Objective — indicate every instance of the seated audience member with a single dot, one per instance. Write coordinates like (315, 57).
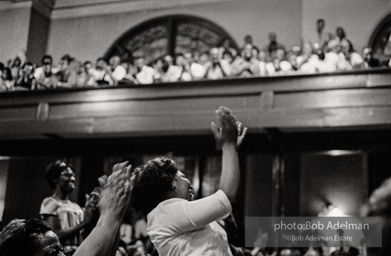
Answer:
(229, 58)
(340, 34)
(285, 66)
(250, 56)
(178, 224)
(197, 71)
(64, 71)
(35, 237)
(81, 77)
(22, 55)
(145, 74)
(331, 56)
(369, 60)
(292, 59)
(16, 65)
(323, 37)
(204, 59)
(66, 218)
(102, 73)
(343, 63)
(170, 71)
(6, 80)
(262, 62)
(355, 59)
(85, 75)
(227, 55)
(118, 71)
(182, 71)
(168, 58)
(240, 67)
(160, 71)
(308, 61)
(226, 47)
(130, 77)
(216, 68)
(248, 43)
(248, 40)
(273, 45)
(44, 75)
(26, 80)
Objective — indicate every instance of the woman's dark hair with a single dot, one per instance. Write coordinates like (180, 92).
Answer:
(21, 237)
(7, 74)
(342, 32)
(16, 62)
(152, 183)
(53, 171)
(228, 53)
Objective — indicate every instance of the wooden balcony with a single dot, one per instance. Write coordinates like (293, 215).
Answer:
(294, 103)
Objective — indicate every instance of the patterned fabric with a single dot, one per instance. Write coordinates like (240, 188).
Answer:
(69, 215)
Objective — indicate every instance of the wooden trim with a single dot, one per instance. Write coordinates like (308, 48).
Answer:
(379, 78)
(343, 101)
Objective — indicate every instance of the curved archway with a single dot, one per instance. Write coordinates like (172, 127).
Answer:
(169, 35)
(380, 40)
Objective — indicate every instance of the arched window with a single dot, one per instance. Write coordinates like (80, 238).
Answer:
(169, 35)
(380, 40)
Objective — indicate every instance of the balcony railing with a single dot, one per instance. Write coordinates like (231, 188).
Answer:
(347, 100)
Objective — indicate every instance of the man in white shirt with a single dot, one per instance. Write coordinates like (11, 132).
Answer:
(118, 71)
(102, 73)
(145, 74)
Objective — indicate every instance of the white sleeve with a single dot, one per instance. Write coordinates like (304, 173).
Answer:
(38, 73)
(184, 216)
(204, 211)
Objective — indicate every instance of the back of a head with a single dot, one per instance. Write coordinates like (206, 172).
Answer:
(20, 237)
(152, 184)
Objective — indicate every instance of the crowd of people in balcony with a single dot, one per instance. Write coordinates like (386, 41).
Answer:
(330, 53)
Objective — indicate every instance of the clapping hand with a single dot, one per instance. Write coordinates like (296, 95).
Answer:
(227, 130)
(116, 190)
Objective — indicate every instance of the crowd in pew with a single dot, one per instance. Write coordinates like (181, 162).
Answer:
(329, 53)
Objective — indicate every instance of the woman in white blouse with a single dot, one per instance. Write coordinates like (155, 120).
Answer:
(177, 224)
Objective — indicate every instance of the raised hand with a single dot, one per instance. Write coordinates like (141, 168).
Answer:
(227, 130)
(241, 134)
(116, 190)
